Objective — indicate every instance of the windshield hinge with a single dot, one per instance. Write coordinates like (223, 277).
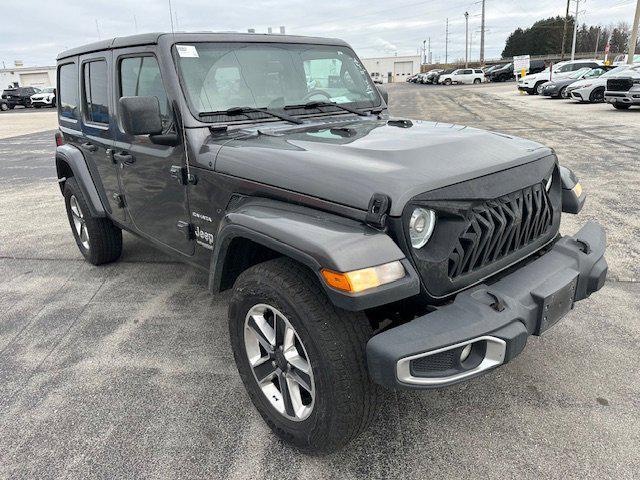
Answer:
(378, 210)
(181, 174)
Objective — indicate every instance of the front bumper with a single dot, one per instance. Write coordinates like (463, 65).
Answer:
(41, 101)
(632, 97)
(490, 323)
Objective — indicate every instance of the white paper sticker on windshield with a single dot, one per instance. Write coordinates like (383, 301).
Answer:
(340, 99)
(187, 51)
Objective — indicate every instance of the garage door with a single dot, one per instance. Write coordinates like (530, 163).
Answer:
(34, 80)
(402, 70)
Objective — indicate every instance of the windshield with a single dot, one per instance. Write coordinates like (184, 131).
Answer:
(220, 76)
(580, 73)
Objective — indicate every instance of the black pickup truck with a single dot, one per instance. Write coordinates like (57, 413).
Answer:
(19, 96)
(363, 250)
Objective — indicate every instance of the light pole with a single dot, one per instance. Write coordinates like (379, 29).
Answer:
(634, 35)
(466, 39)
(482, 36)
(575, 32)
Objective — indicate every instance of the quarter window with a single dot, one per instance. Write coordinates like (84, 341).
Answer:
(140, 77)
(68, 90)
(96, 97)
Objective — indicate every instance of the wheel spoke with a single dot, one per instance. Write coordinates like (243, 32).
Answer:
(286, 394)
(263, 332)
(83, 233)
(281, 330)
(301, 379)
(264, 370)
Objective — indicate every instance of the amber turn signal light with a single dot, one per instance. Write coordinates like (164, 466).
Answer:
(364, 279)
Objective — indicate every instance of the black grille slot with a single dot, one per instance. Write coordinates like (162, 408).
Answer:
(500, 227)
(436, 363)
(619, 84)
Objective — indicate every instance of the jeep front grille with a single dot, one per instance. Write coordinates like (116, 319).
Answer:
(619, 84)
(499, 227)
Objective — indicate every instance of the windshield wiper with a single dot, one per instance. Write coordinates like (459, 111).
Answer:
(233, 111)
(320, 104)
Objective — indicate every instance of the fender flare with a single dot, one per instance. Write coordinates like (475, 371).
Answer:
(317, 240)
(74, 159)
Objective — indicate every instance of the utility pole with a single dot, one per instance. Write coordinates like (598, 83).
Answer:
(466, 39)
(429, 58)
(597, 42)
(564, 30)
(446, 44)
(575, 32)
(424, 52)
(482, 36)
(634, 35)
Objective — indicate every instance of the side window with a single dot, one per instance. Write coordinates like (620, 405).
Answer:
(140, 77)
(95, 90)
(68, 90)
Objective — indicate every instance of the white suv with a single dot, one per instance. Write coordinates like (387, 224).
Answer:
(463, 75)
(44, 98)
(532, 84)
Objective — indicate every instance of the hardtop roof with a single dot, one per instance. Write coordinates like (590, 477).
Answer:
(180, 37)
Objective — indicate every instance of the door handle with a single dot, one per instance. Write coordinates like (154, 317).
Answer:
(90, 147)
(124, 157)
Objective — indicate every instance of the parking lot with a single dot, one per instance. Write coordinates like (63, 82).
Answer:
(125, 371)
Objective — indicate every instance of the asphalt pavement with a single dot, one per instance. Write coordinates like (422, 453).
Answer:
(125, 370)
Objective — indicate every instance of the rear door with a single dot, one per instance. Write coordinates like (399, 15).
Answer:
(156, 200)
(98, 127)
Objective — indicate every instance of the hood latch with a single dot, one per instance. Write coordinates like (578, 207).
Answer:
(378, 210)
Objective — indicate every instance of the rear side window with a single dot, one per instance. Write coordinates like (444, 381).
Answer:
(140, 77)
(68, 91)
(96, 97)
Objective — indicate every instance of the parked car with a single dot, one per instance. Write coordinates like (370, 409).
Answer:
(19, 96)
(362, 250)
(490, 68)
(45, 98)
(501, 74)
(592, 89)
(377, 78)
(4, 105)
(622, 59)
(532, 83)
(413, 78)
(463, 76)
(624, 91)
(446, 71)
(560, 88)
(432, 75)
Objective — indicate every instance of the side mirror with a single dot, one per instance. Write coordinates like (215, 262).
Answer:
(383, 93)
(141, 115)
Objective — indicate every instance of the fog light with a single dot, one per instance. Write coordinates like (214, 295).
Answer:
(466, 351)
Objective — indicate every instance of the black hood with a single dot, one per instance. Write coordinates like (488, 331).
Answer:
(347, 163)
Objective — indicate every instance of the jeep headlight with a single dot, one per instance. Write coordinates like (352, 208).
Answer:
(421, 225)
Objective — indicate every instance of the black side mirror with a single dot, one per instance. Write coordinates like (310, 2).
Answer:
(141, 115)
(383, 93)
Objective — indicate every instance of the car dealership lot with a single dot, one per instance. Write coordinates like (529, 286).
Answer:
(126, 370)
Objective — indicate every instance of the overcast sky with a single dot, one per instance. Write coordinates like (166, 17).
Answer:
(35, 31)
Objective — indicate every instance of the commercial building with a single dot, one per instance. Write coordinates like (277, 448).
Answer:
(20, 76)
(392, 69)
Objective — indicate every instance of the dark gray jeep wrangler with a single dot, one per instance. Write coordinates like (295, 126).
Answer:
(363, 250)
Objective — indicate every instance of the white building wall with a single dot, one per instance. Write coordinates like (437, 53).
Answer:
(28, 77)
(395, 68)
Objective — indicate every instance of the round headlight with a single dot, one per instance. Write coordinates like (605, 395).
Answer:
(421, 226)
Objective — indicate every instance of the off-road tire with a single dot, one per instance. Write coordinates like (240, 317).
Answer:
(345, 398)
(105, 239)
(621, 106)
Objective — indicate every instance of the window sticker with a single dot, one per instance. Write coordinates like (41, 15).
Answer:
(187, 51)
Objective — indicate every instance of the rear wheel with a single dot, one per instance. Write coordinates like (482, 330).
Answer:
(621, 106)
(597, 96)
(477, 81)
(4, 107)
(98, 239)
(301, 359)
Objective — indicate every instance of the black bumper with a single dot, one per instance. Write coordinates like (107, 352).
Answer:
(494, 321)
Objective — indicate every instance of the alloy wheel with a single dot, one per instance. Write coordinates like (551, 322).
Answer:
(279, 362)
(79, 223)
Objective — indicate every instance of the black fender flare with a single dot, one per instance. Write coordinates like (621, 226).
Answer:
(317, 240)
(75, 160)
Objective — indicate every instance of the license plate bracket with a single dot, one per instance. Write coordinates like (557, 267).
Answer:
(555, 299)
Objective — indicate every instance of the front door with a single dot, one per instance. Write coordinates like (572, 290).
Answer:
(155, 199)
(98, 126)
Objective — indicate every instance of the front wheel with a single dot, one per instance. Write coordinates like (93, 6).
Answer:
(597, 96)
(621, 106)
(448, 81)
(301, 359)
(538, 88)
(4, 107)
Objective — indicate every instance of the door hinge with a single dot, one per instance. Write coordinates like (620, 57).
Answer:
(119, 199)
(187, 229)
(181, 174)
